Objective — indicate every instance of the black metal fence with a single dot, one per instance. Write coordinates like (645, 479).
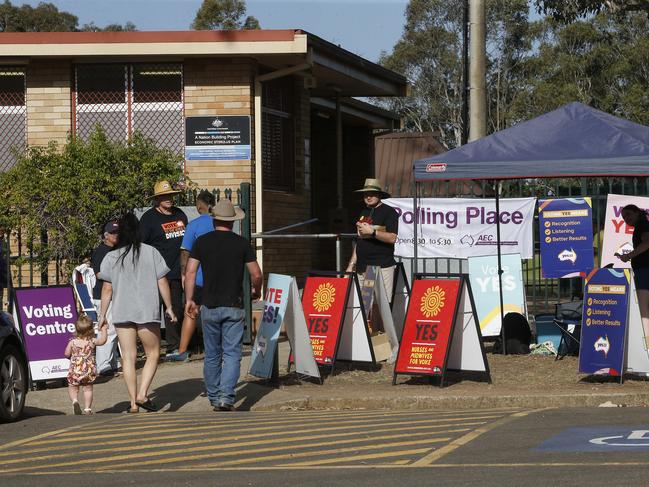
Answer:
(542, 294)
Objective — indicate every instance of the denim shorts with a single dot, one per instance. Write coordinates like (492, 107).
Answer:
(641, 276)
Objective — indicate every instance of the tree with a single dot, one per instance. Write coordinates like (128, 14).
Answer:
(127, 27)
(570, 10)
(223, 15)
(429, 54)
(70, 192)
(46, 17)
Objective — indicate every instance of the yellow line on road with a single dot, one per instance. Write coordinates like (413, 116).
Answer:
(357, 458)
(231, 419)
(193, 429)
(175, 454)
(463, 440)
(231, 444)
(335, 451)
(220, 438)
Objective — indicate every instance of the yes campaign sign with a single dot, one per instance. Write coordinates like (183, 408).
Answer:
(604, 322)
(566, 236)
(617, 234)
(483, 275)
(275, 302)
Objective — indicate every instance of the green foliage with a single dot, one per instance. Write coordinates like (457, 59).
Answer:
(223, 15)
(570, 10)
(70, 192)
(46, 17)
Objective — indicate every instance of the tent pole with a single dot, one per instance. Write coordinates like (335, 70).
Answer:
(500, 269)
(413, 271)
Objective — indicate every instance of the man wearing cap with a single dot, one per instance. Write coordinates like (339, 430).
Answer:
(377, 229)
(107, 363)
(163, 227)
(222, 255)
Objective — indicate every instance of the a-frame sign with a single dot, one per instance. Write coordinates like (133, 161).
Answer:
(441, 332)
(336, 319)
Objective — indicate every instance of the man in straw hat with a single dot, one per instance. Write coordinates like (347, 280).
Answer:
(222, 255)
(377, 229)
(163, 227)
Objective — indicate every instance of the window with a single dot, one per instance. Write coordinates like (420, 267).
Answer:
(278, 157)
(123, 99)
(13, 114)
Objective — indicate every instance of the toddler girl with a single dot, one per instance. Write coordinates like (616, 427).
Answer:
(83, 369)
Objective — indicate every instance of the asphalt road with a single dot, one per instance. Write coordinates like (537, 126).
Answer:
(599, 446)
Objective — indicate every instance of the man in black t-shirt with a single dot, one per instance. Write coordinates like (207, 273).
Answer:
(222, 255)
(107, 363)
(377, 229)
(163, 227)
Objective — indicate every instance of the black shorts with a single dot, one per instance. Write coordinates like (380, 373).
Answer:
(641, 277)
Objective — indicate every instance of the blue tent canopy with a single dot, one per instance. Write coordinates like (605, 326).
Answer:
(573, 140)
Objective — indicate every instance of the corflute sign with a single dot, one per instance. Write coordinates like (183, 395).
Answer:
(47, 316)
(463, 227)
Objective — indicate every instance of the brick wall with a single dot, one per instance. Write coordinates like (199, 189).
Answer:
(49, 111)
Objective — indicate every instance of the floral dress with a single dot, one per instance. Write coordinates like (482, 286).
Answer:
(83, 368)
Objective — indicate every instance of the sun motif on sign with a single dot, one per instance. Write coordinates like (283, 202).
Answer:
(324, 297)
(432, 301)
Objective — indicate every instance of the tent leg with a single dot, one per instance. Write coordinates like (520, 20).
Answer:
(500, 269)
(413, 271)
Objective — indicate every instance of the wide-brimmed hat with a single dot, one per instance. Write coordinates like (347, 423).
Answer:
(225, 211)
(164, 187)
(373, 185)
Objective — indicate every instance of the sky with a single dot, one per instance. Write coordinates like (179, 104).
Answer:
(364, 27)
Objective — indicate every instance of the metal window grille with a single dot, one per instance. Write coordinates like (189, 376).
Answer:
(278, 158)
(13, 115)
(123, 99)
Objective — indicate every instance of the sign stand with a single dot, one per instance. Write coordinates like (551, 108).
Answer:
(336, 319)
(399, 298)
(441, 331)
(612, 336)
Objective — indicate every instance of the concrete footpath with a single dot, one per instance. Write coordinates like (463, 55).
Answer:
(517, 381)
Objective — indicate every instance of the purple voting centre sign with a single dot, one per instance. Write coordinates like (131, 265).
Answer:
(46, 316)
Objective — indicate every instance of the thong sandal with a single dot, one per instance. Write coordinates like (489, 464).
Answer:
(130, 410)
(149, 405)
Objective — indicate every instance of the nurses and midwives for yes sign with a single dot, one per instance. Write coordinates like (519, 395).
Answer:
(428, 326)
(324, 300)
(617, 234)
(604, 322)
(566, 234)
(464, 227)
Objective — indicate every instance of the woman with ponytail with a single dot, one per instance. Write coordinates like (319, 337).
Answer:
(134, 279)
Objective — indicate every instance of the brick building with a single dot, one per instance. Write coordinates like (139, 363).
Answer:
(311, 140)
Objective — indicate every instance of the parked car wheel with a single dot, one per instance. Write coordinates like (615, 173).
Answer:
(13, 383)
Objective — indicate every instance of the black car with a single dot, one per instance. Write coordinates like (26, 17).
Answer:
(14, 377)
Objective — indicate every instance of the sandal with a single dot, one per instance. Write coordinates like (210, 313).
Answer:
(76, 407)
(130, 410)
(87, 411)
(149, 405)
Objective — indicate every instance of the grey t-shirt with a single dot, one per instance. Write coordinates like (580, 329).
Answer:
(135, 284)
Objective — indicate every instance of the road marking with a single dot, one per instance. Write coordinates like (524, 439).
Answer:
(195, 429)
(463, 440)
(356, 458)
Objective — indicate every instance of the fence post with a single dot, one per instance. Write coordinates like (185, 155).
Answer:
(244, 204)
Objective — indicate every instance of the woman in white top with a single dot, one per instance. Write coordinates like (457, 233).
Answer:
(133, 274)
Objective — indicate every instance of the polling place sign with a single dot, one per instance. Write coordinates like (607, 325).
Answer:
(483, 273)
(464, 227)
(604, 326)
(566, 237)
(46, 316)
(617, 234)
